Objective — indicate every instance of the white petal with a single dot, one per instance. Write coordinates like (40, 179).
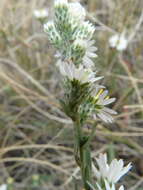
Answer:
(96, 79)
(102, 164)
(114, 170)
(110, 111)
(93, 49)
(117, 172)
(124, 171)
(105, 117)
(91, 54)
(109, 101)
(88, 62)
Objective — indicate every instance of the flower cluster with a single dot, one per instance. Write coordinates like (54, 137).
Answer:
(109, 174)
(72, 37)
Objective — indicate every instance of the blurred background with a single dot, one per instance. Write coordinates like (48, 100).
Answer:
(36, 138)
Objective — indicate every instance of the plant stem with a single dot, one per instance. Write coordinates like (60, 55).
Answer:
(83, 155)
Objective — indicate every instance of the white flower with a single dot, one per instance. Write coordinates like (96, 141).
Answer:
(81, 74)
(101, 100)
(40, 13)
(3, 187)
(77, 11)
(109, 187)
(111, 172)
(118, 41)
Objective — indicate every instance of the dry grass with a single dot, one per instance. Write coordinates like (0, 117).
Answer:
(36, 136)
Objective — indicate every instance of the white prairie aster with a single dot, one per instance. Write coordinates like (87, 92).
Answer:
(3, 187)
(41, 13)
(100, 100)
(111, 172)
(81, 74)
(118, 41)
(109, 186)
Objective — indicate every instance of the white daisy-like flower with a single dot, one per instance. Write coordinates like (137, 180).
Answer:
(101, 99)
(81, 74)
(109, 186)
(77, 11)
(41, 13)
(111, 172)
(90, 50)
(118, 41)
(3, 187)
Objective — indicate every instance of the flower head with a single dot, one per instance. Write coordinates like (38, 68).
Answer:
(111, 172)
(81, 74)
(100, 100)
(118, 41)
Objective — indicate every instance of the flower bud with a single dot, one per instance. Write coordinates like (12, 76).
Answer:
(54, 36)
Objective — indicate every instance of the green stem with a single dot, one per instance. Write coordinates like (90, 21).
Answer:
(85, 166)
(83, 155)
